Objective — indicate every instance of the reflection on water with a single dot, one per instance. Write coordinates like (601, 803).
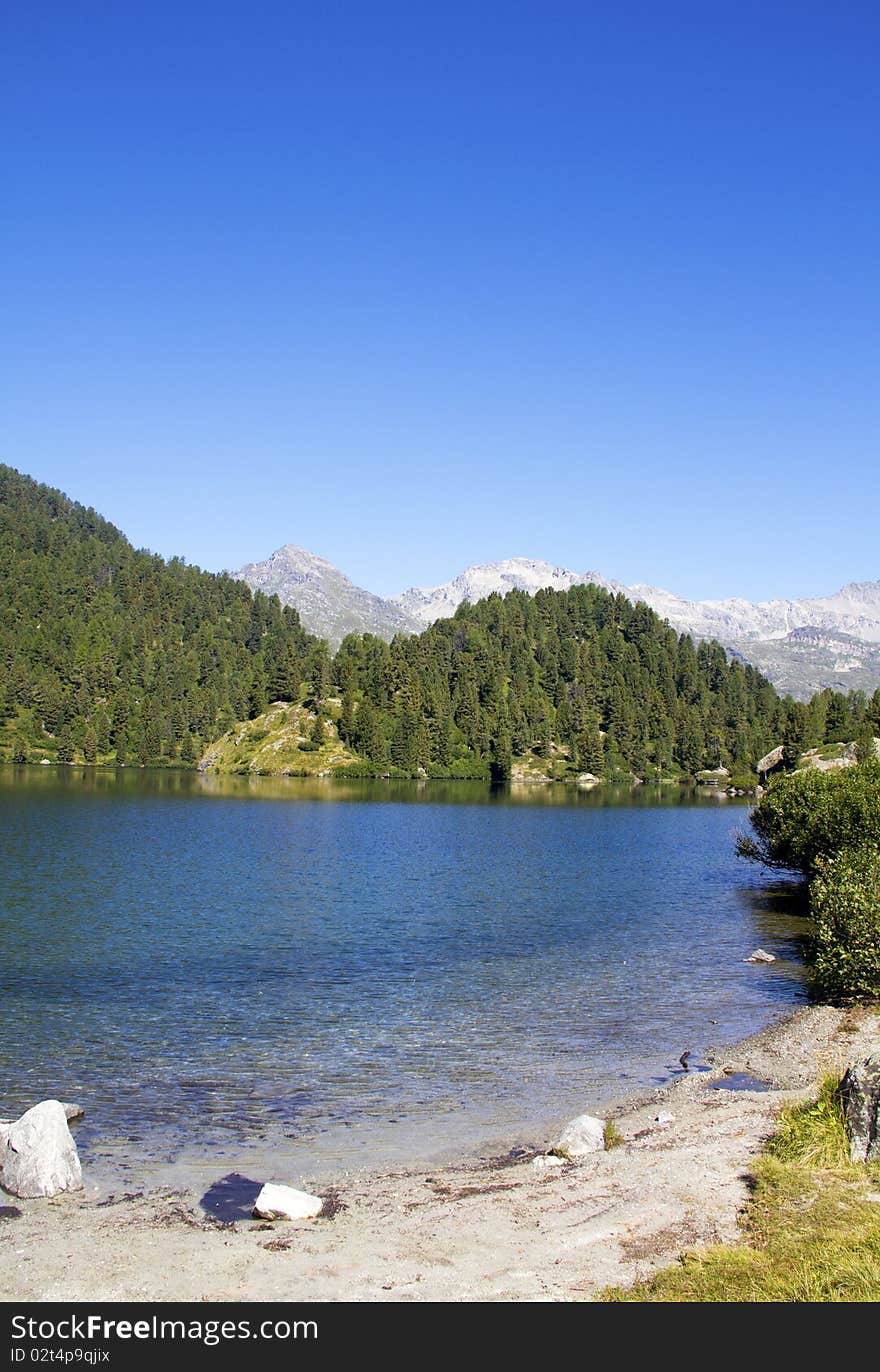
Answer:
(157, 781)
(323, 983)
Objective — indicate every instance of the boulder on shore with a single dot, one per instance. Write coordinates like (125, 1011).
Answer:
(861, 1103)
(286, 1203)
(38, 1156)
(583, 1135)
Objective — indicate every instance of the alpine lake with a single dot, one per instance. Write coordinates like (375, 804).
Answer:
(235, 973)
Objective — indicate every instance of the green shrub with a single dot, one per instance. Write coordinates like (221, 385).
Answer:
(806, 818)
(845, 898)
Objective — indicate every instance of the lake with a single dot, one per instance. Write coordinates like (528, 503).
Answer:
(306, 976)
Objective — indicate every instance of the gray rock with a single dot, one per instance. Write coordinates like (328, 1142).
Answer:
(38, 1156)
(286, 1203)
(760, 956)
(583, 1135)
(861, 1101)
(72, 1111)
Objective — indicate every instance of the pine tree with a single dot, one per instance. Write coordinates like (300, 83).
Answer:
(90, 745)
(501, 763)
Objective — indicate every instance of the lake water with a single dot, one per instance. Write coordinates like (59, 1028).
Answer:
(303, 977)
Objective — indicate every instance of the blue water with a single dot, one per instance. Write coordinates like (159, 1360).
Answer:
(340, 975)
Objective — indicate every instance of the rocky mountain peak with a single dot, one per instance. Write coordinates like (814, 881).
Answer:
(801, 645)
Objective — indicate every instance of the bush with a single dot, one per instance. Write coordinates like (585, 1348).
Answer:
(845, 898)
(806, 818)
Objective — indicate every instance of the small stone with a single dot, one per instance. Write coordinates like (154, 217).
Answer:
(583, 1135)
(760, 956)
(547, 1162)
(286, 1203)
(664, 1117)
(73, 1111)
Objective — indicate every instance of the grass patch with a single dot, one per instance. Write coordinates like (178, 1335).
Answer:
(613, 1136)
(814, 1134)
(810, 1231)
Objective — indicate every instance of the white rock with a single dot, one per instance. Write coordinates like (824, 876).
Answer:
(38, 1156)
(286, 1203)
(583, 1135)
(760, 956)
(664, 1117)
(546, 1162)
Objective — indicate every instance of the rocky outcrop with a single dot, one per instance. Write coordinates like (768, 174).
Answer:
(38, 1156)
(769, 760)
(861, 1101)
(286, 1203)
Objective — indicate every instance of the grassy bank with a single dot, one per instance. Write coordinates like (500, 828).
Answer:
(811, 1229)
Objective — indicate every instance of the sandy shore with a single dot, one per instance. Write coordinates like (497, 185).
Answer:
(496, 1230)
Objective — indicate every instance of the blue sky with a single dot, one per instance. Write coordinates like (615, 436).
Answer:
(420, 285)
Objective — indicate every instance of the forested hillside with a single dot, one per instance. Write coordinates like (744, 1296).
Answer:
(583, 675)
(108, 654)
(106, 651)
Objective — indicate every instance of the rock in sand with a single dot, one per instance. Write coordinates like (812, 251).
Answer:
(583, 1135)
(38, 1156)
(286, 1203)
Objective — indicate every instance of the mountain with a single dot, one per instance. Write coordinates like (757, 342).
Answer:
(854, 610)
(802, 646)
(810, 658)
(328, 603)
(770, 634)
(108, 653)
(513, 574)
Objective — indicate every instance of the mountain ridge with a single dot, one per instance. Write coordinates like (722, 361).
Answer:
(331, 605)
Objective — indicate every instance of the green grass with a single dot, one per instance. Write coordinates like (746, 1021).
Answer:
(279, 742)
(810, 1232)
(813, 1134)
(613, 1136)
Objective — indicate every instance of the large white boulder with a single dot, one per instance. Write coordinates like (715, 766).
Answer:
(583, 1135)
(286, 1203)
(38, 1156)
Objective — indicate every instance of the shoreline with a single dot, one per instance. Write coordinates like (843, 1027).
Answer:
(527, 782)
(497, 1229)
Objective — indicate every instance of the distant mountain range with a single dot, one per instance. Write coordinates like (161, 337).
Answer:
(800, 645)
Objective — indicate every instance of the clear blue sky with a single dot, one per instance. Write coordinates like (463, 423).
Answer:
(417, 285)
